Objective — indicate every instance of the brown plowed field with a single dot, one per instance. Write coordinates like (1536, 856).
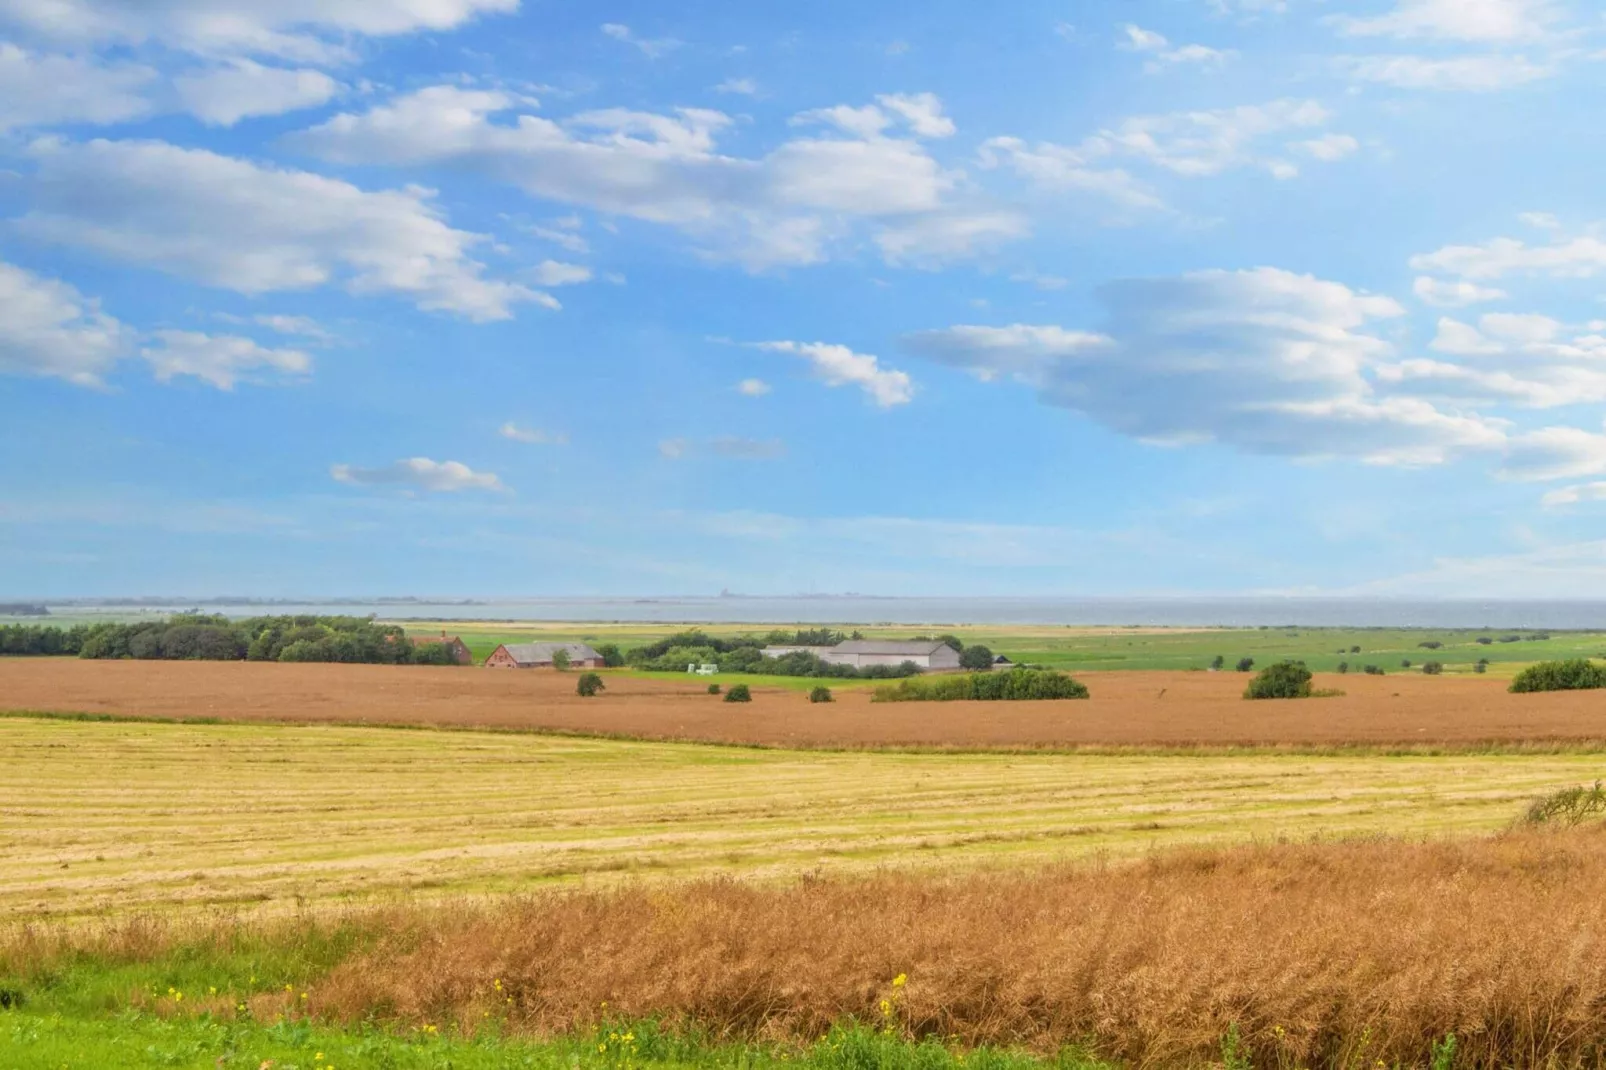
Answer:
(1127, 708)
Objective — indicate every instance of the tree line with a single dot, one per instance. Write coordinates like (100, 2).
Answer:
(213, 637)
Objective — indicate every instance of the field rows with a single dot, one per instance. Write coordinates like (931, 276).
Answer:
(97, 816)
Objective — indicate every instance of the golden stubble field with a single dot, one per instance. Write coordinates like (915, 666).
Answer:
(1127, 708)
(109, 817)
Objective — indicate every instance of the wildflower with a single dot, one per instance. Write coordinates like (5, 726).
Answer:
(900, 980)
(318, 1057)
(886, 1008)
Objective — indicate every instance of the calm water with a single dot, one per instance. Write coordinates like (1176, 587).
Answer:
(853, 609)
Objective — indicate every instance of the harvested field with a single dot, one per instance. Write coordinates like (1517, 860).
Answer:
(1178, 709)
(107, 817)
(1338, 955)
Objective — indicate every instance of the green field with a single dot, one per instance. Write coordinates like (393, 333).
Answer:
(1078, 648)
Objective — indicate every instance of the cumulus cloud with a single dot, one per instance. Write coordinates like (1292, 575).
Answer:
(221, 360)
(47, 90)
(1555, 453)
(308, 30)
(1162, 53)
(752, 388)
(418, 473)
(837, 365)
(1477, 21)
(48, 328)
(1480, 73)
(556, 273)
(241, 89)
(1577, 257)
(1327, 148)
(933, 240)
(742, 86)
(1264, 360)
(1442, 294)
(241, 226)
(652, 48)
(1573, 495)
(533, 436)
(1530, 361)
(782, 208)
(302, 326)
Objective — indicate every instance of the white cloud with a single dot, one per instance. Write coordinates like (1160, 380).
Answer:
(1485, 73)
(1480, 21)
(1560, 572)
(230, 223)
(1526, 360)
(837, 365)
(743, 86)
(673, 449)
(303, 326)
(1565, 257)
(556, 273)
(533, 436)
(785, 208)
(1064, 168)
(922, 111)
(1163, 54)
(1327, 148)
(418, 473)
(1555, 453)
(1264, 360)
(934, 240)
(747, 449)
(1573, 495)
(1441, 294)
(1540, 220)
(241, 89)
(46, 90)
(48, 328)
(752, 388)
(651, 48)
(311, 30)
(221, 360)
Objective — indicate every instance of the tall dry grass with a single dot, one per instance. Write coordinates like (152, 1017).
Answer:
(1317, 955)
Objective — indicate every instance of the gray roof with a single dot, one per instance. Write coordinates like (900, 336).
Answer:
(542, 652)
(915, 648)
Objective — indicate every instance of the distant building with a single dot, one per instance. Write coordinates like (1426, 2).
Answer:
(930, 655)
(1002, 662)
(459, 649)
(539, 656)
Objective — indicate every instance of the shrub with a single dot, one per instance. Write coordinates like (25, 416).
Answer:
(1406, 664)
(611, 656)
(1343, 666)
(1286, 679)
(1578, 674)
(976, 658)
(1432, 668)
(1481, 666)
(1354, 650)
(1431, 644)
(713, 689)
(1538, 637)
(1245, 664)
(1484, 640)
(821, 694)
(1019, 685)
(1217, 662)
(1511, 638)
(589, 684)
(739, 693)
(1373, 670)
(1568, 807)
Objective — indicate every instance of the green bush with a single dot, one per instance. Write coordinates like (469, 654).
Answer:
(1246, 664)
(1432, 668)
(590, 683)
(1431, 644)
(1481, 666)
(1286, 679)
(1579, 674)
(713, 689)
(821, 694)
(739, 693)
(1568, 807)
(1016, 686)
(976, 658)
(1343, 666)
(1373, 670)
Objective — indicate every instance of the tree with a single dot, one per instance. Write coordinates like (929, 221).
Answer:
(954, 641)
(739, 693)
(1354, 650)
(1484, 640)
(976, 658)
(1343, 666)
(612, 657)
(714, 689)
(590, 683)
(1286, 679)
(1433, 668)
(1405, 664)
(1431, 644)
(821, 694)
(1481, 666)
(1217, 662)
(1580, 674)
(1245, 664)
(560, 659)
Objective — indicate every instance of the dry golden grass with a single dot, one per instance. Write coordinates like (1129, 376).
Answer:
(1343, 955)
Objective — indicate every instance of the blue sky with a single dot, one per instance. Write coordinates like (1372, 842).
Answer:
(501, 297)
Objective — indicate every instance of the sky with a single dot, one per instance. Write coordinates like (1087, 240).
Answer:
(517, 297)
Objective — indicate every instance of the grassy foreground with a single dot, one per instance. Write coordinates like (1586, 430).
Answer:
(119, 817)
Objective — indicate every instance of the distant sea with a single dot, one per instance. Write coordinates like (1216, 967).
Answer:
(1245, 612)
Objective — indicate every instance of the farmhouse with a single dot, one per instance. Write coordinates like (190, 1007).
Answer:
(459, 649)
(539, 656)
(930, 655)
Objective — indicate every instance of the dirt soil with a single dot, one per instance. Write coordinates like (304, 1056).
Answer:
(1127, 708)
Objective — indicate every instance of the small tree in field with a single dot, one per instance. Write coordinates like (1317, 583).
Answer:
(1217, 662)
(713, 689)
(821, 694)
(976, 658)
(1343, 666)
(560, 659)
(1481, 666)
(1245, 664)
(739, 693)
(1433, 668)
(590, 684)
(1286, 679)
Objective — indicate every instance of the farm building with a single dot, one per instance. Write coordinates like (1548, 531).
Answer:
(930, 655)
(1003, 662)
(454, 643)
(539, 656)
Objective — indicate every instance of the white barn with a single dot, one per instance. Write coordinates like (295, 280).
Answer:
(930, 655)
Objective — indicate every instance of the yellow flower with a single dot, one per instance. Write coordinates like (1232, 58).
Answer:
(900, 980)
